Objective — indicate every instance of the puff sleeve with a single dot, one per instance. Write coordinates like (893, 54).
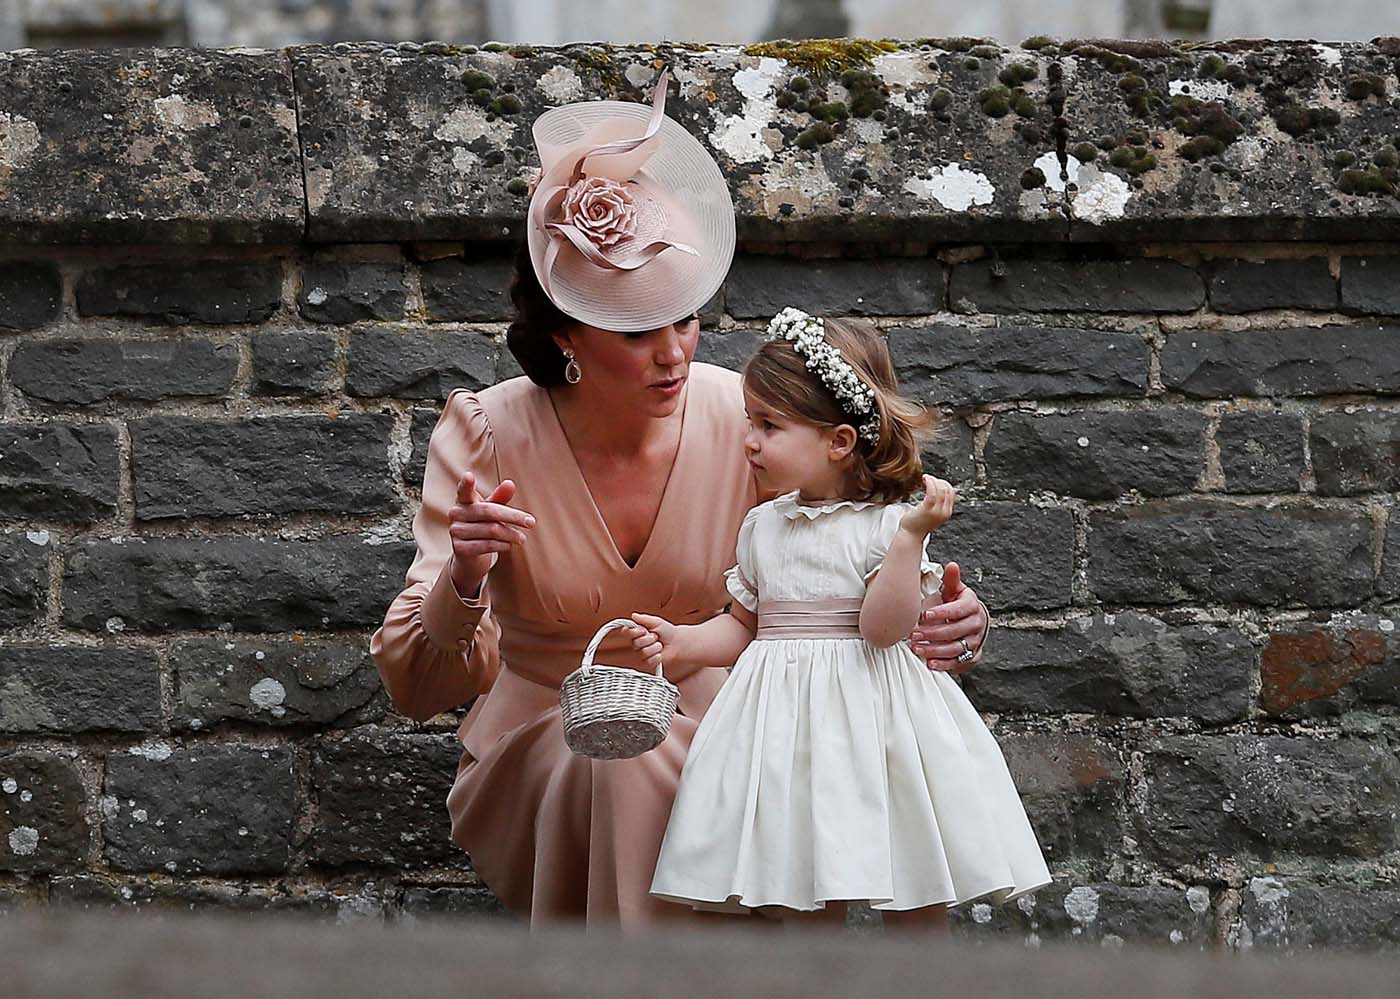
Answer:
(930, 572)
(740, 579)
(437, 650)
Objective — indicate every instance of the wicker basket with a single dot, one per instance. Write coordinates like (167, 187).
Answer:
(612, 712)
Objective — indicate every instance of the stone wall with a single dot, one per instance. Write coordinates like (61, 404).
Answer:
(237, 286)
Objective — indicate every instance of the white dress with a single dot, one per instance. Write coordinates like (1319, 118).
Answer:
(828, 769)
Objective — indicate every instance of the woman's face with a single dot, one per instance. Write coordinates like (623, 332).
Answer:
(642, 372)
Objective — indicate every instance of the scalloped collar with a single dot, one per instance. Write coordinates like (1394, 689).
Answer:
(791, 506)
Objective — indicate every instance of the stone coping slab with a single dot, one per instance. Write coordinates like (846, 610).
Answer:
(931, 140)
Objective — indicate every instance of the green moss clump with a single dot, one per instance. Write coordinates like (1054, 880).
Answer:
(1134, 159)
(1200, 147)
(995, 102)
(1297, 120)
(517, 187)
(972, 64)
(1359, 88)
(1344, 159)
(985, 52)
(495, 47)
(1032, 178)
(940, 100)
(1114, 62)
(1018, 73)
(1037, 42)
(1211, 66)
(799, 84)
(1030, 133)
(824, 56)
(475, 79)
(506, 104)
(1023, 104)
(785, 100)
(522, 51)
(1386, 156)
(1368, 181)
(816, 135)
(954, 44)
(1107, 143)
(829, 112)
(1085, 152)
(868, 92)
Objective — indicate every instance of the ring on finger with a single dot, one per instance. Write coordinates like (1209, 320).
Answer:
(966, 654)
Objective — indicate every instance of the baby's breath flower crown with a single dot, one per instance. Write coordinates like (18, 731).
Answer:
(808, 338)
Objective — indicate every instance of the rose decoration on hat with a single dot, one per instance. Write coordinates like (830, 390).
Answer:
(601, 209)
(631, 224)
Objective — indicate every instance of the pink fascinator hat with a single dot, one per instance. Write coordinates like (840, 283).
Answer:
(631, 226)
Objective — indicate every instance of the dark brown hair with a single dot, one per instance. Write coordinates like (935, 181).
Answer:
(530, 337)
(887, 470)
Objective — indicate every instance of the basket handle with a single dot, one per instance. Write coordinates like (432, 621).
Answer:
(615, 623)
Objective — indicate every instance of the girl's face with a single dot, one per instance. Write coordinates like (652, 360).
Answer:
(643, 372)
(788, 454)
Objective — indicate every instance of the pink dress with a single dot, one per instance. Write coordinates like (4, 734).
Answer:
(554, 835)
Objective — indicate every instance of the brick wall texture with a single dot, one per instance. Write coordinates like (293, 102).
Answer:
(1179, 464)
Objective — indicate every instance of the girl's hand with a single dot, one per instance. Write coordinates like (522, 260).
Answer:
(482, 530)
(944, 626)
(935, 509)
(655, 638)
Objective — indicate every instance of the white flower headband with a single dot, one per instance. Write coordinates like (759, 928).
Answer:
(808, 336)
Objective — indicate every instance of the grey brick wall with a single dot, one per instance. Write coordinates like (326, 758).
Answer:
(1177, 457)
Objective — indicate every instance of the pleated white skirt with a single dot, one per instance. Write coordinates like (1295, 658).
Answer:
(828, 769)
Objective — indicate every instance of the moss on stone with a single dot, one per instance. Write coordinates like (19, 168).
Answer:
(1200, 147)
(957, 44)
(495, 47)
(475, 79)
(1386, 156)
(972, 64)
(868, 92)
(824, 56)
(985, 51)
(995, 101)
(799, 84)
(829, 111)
(1211, 66)
(816, 135)
(1085, 152)
(1359, 88)
(1023, 104)
(506, 104)
(940, 100)
(522, 51)
(1297, 120)
(1032, 177)
(1037, 42)
(1134, 159)
(517, 187)
(1368, 181)
(1344, 159)
(1018, 73)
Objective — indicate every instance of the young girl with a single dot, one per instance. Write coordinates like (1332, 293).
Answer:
(834, 765)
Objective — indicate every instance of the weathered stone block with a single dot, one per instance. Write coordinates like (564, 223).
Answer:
(1260, 452)
(1271, 796)
(956, 366)
(78, 688)
(58, 471)
(439, 901)
(419, 365)
(949, 453)
(1294, 916)
(1371, 285)
(31, 294)
(344, 291)
(1282, 362)
(81, 372)
(43, 823)
(1244, 286)
(761, 287)
(1389, 582)
(24, 578)
(301, 364)
(189, 466)
(182, 145)
(1356, 452)
(1073, 787)
(475, 290)
(379, 800)
(211, 291)
(1012, 555)
(420, 434)
(729, 350)
(1098, 455)
(1117, 664)
(221, 809)
(1308, 670)
(1076, 286)
(1200, 550)
(249, 584)
(276, 681)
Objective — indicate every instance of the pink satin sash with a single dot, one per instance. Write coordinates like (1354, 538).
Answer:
(788, 619)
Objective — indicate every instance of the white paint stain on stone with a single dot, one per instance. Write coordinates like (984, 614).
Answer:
(561, 85)
(741, 136)
(39, 538)
(24, 840)
(179, 113)
(1202, 90)
(953, 187)
(19, 137)
(268, 695)
(1102, 195)
(26, 796)
(10, 785)
(154, 750)
(1082, 905)
(1083, 442)
(902, 69)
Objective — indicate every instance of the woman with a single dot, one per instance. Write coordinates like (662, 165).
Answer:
(611, 479)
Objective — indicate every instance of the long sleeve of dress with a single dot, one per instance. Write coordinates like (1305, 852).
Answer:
(435, 650)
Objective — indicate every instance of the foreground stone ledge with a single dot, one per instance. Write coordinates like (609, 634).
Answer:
(926, 140)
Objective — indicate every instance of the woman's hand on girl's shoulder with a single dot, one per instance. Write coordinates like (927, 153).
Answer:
(934, 510)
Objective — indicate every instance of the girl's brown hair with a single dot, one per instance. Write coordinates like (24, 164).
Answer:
(887, 470)
(530, 337)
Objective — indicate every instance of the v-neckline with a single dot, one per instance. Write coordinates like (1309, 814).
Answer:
(666, 490)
